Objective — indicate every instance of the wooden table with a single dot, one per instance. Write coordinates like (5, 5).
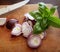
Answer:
(54, 2)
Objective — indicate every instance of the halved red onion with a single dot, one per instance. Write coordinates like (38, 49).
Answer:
(2, 21)
(34, 41)
(11, 23)
(16, 31)
(26, 29)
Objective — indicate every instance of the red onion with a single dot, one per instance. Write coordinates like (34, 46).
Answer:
(11, 23)
(16, 31)
(27, 15)
(30, 19)
(42, 35)
(2, 21)
(26, 29)
(34, 41)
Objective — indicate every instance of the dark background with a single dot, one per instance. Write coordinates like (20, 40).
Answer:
(54, 2)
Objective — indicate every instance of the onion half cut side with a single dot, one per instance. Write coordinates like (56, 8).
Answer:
(16, 31)
(26, 29)
(34, 41)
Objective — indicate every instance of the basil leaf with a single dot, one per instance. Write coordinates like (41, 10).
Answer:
(42, 5)
(52, 10)
(44, 24)
(32, 14)
(54, 21)
(36, 15)
(44, 10)
(37, 28)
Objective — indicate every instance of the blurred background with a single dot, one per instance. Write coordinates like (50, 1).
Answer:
(54, 2)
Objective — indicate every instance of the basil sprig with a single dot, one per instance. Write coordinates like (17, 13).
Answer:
(44, 18)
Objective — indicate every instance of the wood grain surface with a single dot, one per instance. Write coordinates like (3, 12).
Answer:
(19, 44)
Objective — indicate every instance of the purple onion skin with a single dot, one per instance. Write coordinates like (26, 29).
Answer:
(11, 23)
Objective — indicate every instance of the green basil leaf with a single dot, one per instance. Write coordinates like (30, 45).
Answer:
(37, 28)
(32, 14)
(54, 21)
(44, 10)
(52, 10)
(36, 15)
(44, 24)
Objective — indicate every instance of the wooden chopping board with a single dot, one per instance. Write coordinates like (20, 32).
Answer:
(19, 44)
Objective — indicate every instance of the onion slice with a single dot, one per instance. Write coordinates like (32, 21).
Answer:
(2, 21)
(27, 15)
(42, 35)
(34, 41)
(26, 29)
(16, 30)
(11, 23)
